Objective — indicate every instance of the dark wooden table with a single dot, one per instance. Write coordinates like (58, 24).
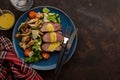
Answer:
(97, 56)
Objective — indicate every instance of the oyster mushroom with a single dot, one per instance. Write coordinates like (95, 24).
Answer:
(26, 34)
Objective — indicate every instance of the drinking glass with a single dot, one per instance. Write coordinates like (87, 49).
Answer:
(22, 5)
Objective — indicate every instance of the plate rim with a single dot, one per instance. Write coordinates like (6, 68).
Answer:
(51, 67)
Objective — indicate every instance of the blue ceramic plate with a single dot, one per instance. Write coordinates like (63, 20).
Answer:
(51, 62)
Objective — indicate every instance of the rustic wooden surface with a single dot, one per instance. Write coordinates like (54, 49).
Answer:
(97, 56)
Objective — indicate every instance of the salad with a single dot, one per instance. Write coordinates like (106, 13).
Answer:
(30, 35)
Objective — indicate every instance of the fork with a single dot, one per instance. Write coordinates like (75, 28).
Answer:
(66, 39)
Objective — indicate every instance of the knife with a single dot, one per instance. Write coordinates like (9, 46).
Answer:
(66, 51)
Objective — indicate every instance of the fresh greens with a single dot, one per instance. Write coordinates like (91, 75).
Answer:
(35, 58)
(46, 10)
(37, 44)
(53, 17)
(36, 52)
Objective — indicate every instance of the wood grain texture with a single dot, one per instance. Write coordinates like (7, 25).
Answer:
(97, 56)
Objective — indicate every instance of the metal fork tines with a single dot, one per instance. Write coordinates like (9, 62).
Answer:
(67, 35)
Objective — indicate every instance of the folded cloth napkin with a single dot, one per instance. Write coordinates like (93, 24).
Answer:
(11, 67)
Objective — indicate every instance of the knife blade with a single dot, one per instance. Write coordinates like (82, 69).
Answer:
(67, 49)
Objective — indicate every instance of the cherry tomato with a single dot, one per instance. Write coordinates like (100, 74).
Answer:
(32, 14)
(45, 55)
(27, 51)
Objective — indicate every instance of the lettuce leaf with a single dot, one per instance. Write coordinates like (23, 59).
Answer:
(35, 58)
(46, 10)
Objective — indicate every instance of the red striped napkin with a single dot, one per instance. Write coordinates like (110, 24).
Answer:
(11, 67)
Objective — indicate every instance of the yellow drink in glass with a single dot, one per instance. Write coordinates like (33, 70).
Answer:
(6, 20)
